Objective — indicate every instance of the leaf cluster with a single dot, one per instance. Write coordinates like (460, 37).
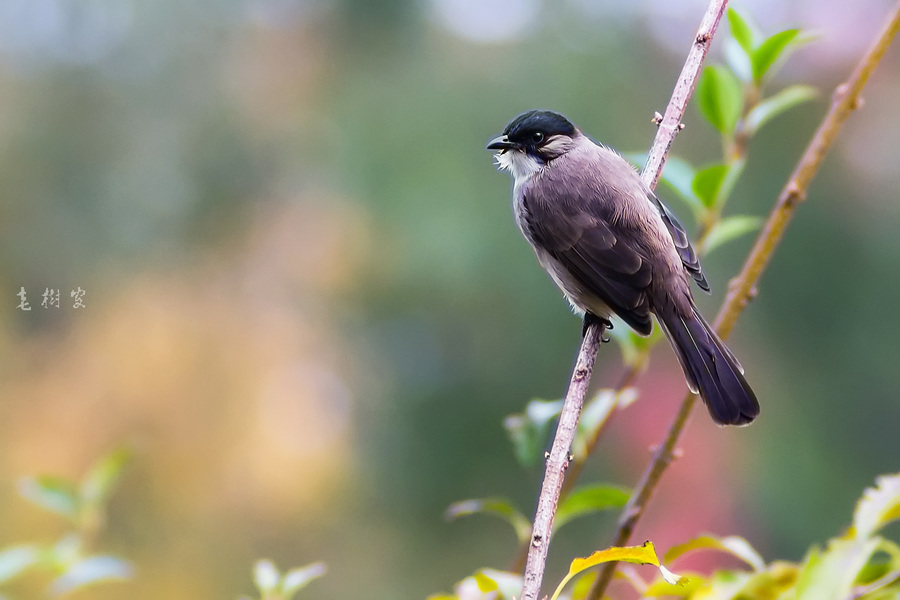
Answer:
(275, 585)
(69, 562)
(860, 564)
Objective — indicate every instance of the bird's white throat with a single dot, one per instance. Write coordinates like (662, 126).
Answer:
(521, 165)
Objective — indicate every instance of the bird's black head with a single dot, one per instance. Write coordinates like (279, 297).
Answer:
(530, 132)
(535, 126)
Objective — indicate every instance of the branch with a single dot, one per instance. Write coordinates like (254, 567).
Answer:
(743, 287)
(558, 460)
(684, 89)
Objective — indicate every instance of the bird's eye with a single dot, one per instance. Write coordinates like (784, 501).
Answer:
(537, 137)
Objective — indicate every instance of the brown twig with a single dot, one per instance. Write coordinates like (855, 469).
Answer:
(742, 289)
(568, 421)
(684, 89)
(558, 461)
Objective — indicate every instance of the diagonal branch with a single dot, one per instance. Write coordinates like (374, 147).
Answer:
(743, 287)
(558, 460)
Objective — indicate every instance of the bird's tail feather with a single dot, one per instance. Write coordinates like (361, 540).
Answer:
(711, 369)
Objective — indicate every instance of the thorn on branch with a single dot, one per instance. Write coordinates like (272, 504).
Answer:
(703, 38)
(657, 119)
(536, 540)
(839, 93)
(795, 195)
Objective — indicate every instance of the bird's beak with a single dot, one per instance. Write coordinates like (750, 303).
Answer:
(501, 142)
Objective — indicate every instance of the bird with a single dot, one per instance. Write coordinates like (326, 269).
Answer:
(615, 249)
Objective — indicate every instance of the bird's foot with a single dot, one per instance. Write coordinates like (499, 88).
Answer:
(591, 319)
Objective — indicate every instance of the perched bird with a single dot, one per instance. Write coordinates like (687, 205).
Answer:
(614, 248)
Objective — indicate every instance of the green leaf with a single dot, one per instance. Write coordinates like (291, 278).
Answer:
(530, 430)
(738, 61)
(634, 347)
(504, 583)
(298, 578)
(878, 506)
(742, 31)
(734, 545)
(770, 51)
(719, 98)
(485, 582)
(90, 571)
(590, 499)
(708, 183)
(728, 229)
(103, 475)
(774, 105)
(679, 176)
(55, 494)
(830, 575)
(881, 573)
(67, 551)
(16, 559)
(498, 507)
(725, 585)
(778, 577)
(884, 593)
(266, 576)
(595, 413)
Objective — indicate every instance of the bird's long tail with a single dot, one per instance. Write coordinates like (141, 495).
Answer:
(711, 369)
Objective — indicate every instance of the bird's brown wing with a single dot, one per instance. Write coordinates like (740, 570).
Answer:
(596, 257)
(682, 242)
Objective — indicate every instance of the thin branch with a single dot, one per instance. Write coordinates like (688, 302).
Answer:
(558, 461)
(568, 421)
(684, 89)
(743, 287)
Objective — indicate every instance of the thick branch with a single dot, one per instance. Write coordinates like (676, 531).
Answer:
(558, 460)
(742, 289)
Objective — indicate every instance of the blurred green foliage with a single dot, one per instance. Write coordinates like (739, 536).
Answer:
(857, 564)
(68, 563)
(273, 585)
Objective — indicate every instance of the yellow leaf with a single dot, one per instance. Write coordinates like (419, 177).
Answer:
(642, 555)
(485, 583)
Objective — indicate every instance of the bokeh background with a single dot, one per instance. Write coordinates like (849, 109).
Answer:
(308, 309)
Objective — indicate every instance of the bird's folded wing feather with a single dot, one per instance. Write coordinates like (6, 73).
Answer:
(601, 261)
(682, 242)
